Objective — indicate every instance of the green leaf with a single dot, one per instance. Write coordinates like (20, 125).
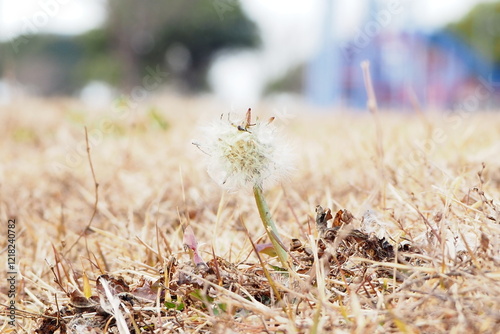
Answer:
(282, 270)
(174, 306)
(219, 308)
(198, 294)
(158, 119)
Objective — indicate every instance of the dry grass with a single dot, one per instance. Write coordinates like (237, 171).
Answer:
(428, 195)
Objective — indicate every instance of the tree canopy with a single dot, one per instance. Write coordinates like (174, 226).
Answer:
(480, 28)
(180, 38)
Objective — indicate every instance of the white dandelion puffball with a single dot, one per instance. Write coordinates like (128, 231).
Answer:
(241, 154)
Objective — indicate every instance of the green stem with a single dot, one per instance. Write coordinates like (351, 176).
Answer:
(270, 226)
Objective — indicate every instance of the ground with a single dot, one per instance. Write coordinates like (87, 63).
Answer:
(391, 220)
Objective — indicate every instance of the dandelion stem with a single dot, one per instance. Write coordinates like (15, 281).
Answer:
(270, 226)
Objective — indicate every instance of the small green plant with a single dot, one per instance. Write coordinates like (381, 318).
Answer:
(246, 154)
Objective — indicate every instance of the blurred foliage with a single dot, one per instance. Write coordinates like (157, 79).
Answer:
(139, 34)
(158, 119)
(291, 81)
(43, 64)
(179, 38)
(98, 61)
(480, 28)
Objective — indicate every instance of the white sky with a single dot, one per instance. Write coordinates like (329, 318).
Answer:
(291, 34)
(75, 16)
(60, 16)
(289, 29)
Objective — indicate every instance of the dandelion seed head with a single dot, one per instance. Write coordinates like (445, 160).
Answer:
(248, 155)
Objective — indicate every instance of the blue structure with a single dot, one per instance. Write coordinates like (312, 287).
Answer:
(438, 68)
(328, 90)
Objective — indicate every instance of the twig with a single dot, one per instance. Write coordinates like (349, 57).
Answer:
(283, 246)
(264, 269)
(370, 92)
(418, 110)
(372, 107)
(96, 187)
(216, 265)
(290, 206)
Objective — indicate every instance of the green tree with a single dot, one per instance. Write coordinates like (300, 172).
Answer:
(141, 33)
(177, 37)
(480, 28)
(44, 64)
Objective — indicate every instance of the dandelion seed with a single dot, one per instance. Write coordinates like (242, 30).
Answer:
(243, 154)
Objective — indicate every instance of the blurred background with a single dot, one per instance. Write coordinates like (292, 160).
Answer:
(422, 53)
